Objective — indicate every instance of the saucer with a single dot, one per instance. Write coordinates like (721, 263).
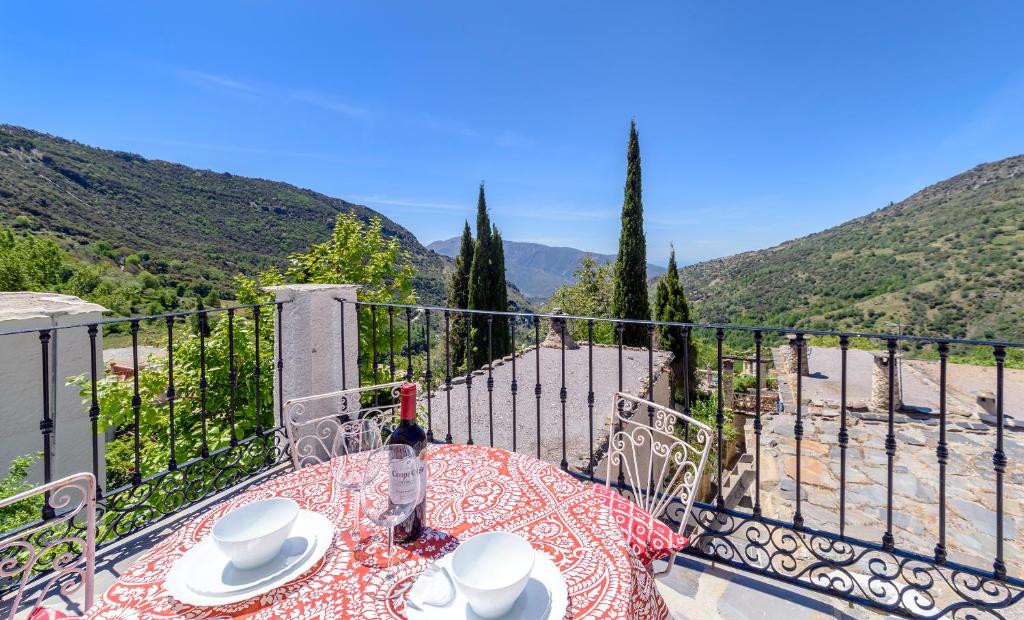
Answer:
(546, 596)
(205, 577)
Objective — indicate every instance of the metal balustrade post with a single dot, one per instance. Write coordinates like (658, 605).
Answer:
(757, 423)
(999, 463)
(515, 383)
(344, 364)
(448, 373)
(408, 344)
(490, 379)
(172, 461)
(203, 331)
(844, 435)
(280, 363)
(257, 371)
(136, 403)
(391, 343)
(469, 379)
(94, 407)
(537, 388)
(719, 423)
(232, 376)
(373, 359)
(798, 427)
(562, 394)
(46, 423)
(888, 543)
(619, 329)
(686, 380)
(590, 397)
(942, 454)
(428, 376)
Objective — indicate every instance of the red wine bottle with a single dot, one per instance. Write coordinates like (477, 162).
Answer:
(410, 434)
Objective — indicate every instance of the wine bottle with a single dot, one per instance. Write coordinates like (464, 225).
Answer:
(410, 434)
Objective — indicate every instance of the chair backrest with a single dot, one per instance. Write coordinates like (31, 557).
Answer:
(59, 549)
(312, 422)
(663, 463)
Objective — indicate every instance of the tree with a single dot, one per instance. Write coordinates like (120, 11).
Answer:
(589, 295)
(355, 253)
(486, 288)
(630, 300)
(671, 305)
(458, 297)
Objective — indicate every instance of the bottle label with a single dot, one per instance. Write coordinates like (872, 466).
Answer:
(422, 466)
(402, 484)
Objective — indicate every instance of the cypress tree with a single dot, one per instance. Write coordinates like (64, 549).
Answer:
(502, 338)
(630, 297)
(487, 289)
(458, 297)
(671, 305)
(481, 282)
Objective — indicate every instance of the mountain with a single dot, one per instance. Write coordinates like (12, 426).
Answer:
(194, 225)
(948, 260)
(537, 269)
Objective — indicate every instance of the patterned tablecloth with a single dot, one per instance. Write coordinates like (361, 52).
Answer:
(471, 490)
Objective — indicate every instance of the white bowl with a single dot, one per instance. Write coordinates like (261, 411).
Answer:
(252, 535)
(491, 570)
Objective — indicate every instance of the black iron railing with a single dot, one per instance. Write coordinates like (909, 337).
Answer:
(161, 482)
(879, 573)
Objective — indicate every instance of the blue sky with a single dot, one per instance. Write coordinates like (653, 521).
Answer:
(759, 121)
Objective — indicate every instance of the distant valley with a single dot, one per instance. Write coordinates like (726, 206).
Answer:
(537, 269)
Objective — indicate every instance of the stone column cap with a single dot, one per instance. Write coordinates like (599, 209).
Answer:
(30, 305)
(285, 292)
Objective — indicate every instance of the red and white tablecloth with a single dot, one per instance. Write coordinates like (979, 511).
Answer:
(471, 490)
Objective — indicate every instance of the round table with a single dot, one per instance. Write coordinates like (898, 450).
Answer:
(470, 490)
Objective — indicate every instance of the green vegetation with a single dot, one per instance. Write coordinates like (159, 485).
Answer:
(630, 294)
(196, 228)
(16, 481)
(487, 291)
(458, 295)
(31, 262)
(948, 261)
(590, 295)
(671, 306)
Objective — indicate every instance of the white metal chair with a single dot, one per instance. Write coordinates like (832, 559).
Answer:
(312, 422)
(661, 464)
(56, 551)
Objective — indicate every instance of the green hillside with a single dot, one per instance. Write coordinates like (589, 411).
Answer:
(948, 260)
(196, 227)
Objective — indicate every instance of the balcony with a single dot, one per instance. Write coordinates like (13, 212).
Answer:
(857, 473)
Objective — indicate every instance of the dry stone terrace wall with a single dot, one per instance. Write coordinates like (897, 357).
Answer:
(970, 487)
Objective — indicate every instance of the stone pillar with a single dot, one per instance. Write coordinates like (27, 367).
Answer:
(21, 407)
(311, 344)
(554, 338)
(728, 389)
(880, 384)
(790, 358)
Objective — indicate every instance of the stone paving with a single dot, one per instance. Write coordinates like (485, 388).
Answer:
(970, 480)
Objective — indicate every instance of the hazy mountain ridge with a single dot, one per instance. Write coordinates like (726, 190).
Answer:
(201, 223)
(948, 260)
(538, 269)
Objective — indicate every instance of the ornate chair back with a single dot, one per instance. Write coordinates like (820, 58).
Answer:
(58, 550)
(312, 422)
(661, 463)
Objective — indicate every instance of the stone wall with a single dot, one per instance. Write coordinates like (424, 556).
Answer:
(879, 400)
(790, 358)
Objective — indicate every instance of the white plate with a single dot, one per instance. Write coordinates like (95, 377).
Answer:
(226, 585)
(545, 596)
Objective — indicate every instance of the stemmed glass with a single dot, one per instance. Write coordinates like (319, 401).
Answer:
(391, 491)
(353, 444)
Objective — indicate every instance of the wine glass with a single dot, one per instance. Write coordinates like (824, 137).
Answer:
(353, 444)
(391, 491)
